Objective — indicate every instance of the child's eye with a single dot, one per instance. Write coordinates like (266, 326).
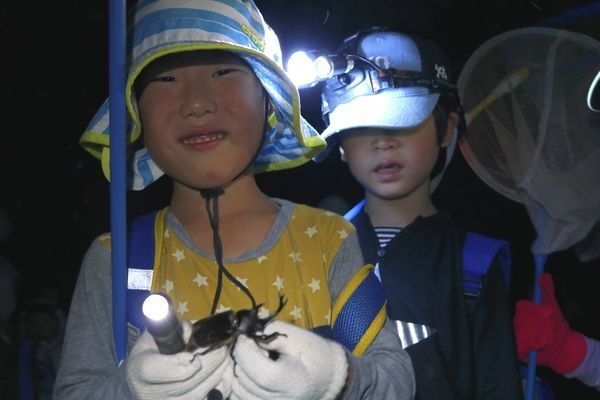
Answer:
(163, 78)
(225, 71)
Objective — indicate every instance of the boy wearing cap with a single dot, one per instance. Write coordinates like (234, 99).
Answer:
(394, 116)
(206, 89)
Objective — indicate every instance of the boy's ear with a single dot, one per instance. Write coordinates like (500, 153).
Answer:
(342, 153)
(451, 125)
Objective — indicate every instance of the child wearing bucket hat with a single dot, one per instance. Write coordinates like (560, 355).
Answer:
(395, 117)
(209, 106)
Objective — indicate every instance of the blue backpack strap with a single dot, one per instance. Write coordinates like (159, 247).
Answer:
(140, 262)
(359, 312)
(355, 210)
(479, 252)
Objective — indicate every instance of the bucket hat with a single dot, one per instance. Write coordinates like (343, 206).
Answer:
(162, 27)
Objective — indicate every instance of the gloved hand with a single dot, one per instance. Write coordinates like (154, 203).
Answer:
(307, 367)
(543, 328)
(184, 376)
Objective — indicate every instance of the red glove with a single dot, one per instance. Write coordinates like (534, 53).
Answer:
(544, 328)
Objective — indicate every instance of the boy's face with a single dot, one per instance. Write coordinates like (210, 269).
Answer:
(393, 163)
(203, 116)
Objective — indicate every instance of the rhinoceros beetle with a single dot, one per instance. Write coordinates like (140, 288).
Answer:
(223, 329)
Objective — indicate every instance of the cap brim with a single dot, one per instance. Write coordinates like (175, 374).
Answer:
(395, 109)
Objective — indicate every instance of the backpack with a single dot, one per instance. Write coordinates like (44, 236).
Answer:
(478, 253)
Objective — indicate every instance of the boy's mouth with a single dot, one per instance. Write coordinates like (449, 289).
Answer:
(388, 166)
(202, 138)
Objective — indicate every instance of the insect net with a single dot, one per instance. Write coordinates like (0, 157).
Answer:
(531, 136)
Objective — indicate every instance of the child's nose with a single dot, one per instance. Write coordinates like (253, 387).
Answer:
(385, 142)
(197, 102)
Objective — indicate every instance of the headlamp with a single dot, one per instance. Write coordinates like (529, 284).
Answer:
(347, 76)
(306, 69)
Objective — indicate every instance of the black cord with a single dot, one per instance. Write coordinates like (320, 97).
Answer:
(212, 207)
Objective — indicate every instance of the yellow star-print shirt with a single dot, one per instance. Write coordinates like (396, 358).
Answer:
(294, 261)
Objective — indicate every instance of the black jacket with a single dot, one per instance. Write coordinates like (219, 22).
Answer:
(469, 352)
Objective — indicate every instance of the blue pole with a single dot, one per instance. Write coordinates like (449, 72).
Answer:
(117, 60)
(539, 261)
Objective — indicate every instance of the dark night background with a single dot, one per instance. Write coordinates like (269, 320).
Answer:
(54, 76)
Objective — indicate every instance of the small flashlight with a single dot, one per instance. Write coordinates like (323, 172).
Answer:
(162, 323)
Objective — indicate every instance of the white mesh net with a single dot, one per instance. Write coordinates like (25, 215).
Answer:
(531, 136)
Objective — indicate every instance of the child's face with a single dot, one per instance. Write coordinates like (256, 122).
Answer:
(392, 163)
(203, 116)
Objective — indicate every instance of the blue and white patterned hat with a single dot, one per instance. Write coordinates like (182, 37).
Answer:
(162, 27)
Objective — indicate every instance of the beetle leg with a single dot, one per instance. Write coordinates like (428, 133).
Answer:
(262, 322)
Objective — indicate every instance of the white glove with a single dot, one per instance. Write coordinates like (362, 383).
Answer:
(184, 375)
(308, 366)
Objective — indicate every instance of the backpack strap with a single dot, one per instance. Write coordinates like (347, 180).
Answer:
(478, 253)
(359, 311)
(350, 214)
(140, 262)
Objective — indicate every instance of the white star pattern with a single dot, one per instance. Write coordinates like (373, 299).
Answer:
(311, 231)
(168, 286)
(296, 313)
(201, 280)
(263, 312)
(261, 259)
(295, 256)
(343, 234)
(221, 309)
(167, 233)
(328, 213)
(182, 308)
(278, 283)
(178, 255)
(315, 285)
